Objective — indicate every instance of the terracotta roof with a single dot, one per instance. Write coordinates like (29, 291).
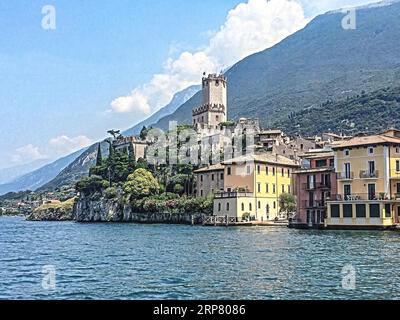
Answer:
(367, 140)
(264, 158)
(216, 167)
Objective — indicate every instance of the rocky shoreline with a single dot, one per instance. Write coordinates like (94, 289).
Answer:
(87, 210)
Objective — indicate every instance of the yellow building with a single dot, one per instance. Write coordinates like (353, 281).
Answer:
(253, 185)
(368, 182)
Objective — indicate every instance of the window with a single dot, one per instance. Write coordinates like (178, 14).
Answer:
(273, 171)
(388, 210)
(273, 188)
(259, 205)
(258, 169)
(361, 211)
(212, 177)
(227, 206)
(288, 173)
(201, 178)
(219, 206)
(397, 165)
(371, 167)
(346, 153)
(217, 118)
(229, 171)
(242, 206)
(201, 193)
(347, 171)
(194, 121)
(398, 150)
(267, 209)
(267, 170)
(222, 176)
(370, 150)
(283, 188)
(250, 207)
(335, 211)
(259, 188)
(374, 211)
(283, 172)
(267, 188)
(348, 211)
(274, 204)
(346, 191)
(398, 189)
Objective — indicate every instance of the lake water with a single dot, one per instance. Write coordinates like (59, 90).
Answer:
(129, 261)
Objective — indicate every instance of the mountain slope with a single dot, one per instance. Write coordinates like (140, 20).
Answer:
(369, 113)
(178, 99)
(77, 168)
(10, 174)
(39, 177)
(323, 61)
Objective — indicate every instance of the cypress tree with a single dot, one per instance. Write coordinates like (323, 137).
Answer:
(99, 159)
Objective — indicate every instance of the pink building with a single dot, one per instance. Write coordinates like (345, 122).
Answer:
(314, 185)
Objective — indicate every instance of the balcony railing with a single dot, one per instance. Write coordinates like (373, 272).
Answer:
(360, 197)
(345, 175)
(313, 204)
(315, 186)
(221, 195)
(365, 174)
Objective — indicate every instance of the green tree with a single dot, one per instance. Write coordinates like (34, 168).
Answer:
(143, 133)
(287, 203)
(141, 184)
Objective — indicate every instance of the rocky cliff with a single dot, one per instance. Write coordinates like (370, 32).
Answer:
(89, 210)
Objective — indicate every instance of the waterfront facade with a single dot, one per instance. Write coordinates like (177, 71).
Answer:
(314, 185)
(253, 185)
(209, 180)
(368, 182)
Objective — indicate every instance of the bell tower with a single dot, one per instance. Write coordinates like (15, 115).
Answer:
(213, 111)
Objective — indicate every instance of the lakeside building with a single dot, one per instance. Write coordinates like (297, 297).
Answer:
(209, 180)
(314, 183)
(253, 185)
(127, 144)
(368, 182)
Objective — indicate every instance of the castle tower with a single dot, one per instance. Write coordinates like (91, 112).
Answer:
(213, 111)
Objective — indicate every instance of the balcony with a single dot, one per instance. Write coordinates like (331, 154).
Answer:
(227, 195)
(360, 197)
(316, 204)
(366, 174)
(345, 176)
(315, 186)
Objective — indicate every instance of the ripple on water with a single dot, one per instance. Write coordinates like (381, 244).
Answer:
(128, 261)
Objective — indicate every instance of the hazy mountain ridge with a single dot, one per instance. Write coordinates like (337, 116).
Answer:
(178, 99)
(37, 178)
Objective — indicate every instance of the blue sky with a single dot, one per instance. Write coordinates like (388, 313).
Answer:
(109, 64)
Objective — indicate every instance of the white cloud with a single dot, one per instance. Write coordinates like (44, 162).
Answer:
(28, 153)
(56, 147)
(249, 27)
(64, 145)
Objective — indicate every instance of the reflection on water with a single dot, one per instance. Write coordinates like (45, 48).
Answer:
(128, 261)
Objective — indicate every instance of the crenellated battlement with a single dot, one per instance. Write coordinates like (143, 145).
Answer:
(209, 108)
